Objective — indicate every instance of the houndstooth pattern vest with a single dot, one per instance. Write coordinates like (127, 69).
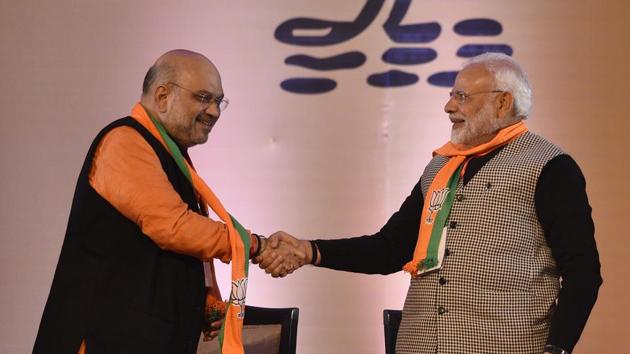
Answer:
(498, 284)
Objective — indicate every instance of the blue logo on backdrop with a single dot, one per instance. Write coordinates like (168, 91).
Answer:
(420, 33)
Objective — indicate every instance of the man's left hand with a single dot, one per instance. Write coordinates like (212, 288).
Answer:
(215, 327)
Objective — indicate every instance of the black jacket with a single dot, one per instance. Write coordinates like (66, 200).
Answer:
(114, 287)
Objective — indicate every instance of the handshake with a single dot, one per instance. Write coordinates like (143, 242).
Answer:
(282, 254)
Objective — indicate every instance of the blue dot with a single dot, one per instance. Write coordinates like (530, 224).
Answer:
(471, 50)
(409, 56)
(349, 60)
(478, 27)
(443, 78)
(392, 78)
(308, 85)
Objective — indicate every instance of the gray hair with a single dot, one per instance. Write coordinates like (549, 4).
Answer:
(508, 76)
(159, 72)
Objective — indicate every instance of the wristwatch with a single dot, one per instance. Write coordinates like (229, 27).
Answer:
(549, 348)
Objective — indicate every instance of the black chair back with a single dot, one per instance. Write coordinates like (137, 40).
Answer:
(286, 317)
(391, 322)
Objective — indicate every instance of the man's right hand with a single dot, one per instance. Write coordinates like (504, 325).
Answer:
(284, 254)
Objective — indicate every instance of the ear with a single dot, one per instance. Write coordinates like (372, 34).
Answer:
(505, 105)
(161, 98)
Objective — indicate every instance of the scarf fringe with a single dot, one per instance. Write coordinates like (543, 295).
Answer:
(411, 268)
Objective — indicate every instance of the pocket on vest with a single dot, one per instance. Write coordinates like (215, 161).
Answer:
(506, 307)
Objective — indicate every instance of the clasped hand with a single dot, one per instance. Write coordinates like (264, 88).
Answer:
(283, 254)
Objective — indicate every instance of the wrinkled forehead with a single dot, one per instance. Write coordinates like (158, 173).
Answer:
(473, 77)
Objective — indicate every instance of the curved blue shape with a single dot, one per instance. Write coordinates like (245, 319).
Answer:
(339, 31)
(392, 78)
(471, 50)
(443, 78)
(409, 56)
(349, 60)
(478, 27)
(415, 33)
(308, 85)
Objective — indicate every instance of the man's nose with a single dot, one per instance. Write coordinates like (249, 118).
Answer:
(213, 109)
(450, 106)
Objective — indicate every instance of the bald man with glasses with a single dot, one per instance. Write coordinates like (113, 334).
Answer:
(131, 276)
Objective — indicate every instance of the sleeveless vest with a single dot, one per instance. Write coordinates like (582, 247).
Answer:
(498, 284)
(113, 285)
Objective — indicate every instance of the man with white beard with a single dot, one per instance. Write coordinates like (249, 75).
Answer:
(499, 216)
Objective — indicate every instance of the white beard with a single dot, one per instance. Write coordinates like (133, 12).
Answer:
(483, 123)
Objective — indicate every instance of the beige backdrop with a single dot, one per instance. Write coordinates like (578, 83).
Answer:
(326, 166)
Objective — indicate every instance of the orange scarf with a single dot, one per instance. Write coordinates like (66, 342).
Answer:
(230, 337)
(439, 197)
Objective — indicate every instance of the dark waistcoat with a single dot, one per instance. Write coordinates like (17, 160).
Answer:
(113, 285)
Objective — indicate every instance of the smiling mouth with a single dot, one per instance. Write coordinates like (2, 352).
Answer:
(207, 123)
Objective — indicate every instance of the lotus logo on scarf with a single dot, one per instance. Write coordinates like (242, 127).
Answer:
(237, 297)
(437, 200)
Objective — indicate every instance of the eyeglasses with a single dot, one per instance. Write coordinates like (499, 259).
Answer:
(205, 99)
(462, 97)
